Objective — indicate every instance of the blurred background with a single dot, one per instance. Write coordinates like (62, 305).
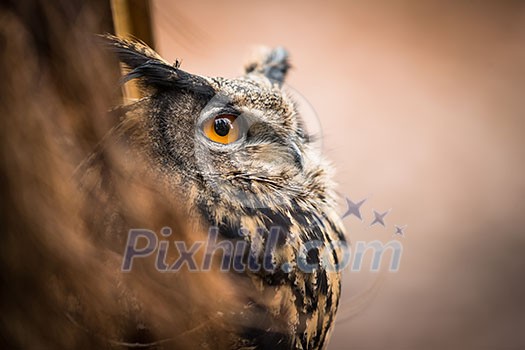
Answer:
(422, 114)
(422, 111)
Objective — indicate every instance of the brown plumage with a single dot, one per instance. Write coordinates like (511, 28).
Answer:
(267, 176)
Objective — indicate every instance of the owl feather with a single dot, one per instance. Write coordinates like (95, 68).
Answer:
(236, 153)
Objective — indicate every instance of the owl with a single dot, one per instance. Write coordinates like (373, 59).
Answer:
(237, 154)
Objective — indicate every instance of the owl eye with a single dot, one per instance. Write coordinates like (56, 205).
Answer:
(222, 129)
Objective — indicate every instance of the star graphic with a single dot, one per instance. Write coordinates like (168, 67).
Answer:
(353, 208)
(400, 230)
(379, 218)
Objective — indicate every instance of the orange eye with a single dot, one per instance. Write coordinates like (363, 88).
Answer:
(222, 129)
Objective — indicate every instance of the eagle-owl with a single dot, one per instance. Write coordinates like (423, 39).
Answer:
(238, 155)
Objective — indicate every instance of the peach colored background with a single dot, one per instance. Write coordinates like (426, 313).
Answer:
(423, 112)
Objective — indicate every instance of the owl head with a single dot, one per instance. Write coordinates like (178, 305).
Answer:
(233, 146)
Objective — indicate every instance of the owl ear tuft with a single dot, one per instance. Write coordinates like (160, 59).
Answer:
(152, 70)
(272, 63)
(132, 53)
